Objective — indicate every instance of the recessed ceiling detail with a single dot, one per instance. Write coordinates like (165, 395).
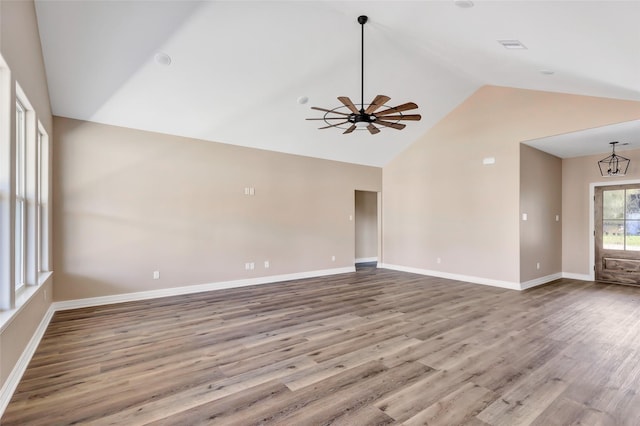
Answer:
(512, 44)
(162, 58)
(464, 4)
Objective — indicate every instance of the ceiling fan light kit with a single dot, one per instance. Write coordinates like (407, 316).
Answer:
(366, 117)
(613, 165)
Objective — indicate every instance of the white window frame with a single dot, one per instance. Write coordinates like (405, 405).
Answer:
(42, 196)
(25, 191)
(7, 122)
(20, 244)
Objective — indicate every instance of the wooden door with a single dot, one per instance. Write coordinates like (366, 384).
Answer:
(617, 234)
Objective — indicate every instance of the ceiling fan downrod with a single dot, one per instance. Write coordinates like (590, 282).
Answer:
(362, 19)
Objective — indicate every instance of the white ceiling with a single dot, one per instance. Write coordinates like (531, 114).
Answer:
(591, 141)
(238, 67)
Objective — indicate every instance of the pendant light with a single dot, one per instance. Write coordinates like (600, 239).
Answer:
(613, 165)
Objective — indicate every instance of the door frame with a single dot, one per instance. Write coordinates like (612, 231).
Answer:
(592, 213)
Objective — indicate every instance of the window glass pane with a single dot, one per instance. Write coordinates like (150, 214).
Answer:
(19, 244)
(613, 234)
(633, 204)
(632, 238)
(613, 204)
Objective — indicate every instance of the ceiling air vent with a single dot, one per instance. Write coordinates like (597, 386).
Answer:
(512, 44)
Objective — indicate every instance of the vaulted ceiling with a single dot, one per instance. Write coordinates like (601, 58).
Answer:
(239, 68)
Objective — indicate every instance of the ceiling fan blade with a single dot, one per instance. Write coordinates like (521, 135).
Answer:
(333, 125)
(390, 124)
(403, 107)
(347, 102)
(373, 129)
(326, 118)
(329, 110)
(377, 102)
(350, 129)
(411, 117)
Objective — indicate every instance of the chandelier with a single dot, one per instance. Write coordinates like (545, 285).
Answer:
(613, 165)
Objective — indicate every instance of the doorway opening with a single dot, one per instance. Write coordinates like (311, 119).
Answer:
(367, 228)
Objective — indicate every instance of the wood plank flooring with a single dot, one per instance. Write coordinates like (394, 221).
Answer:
(372, 347)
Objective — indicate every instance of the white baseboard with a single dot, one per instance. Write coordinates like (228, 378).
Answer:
(198, 288)
(14, 377)
(366, 259)
(471, 279)
(581, 277)
(539, 281)
(484, 281)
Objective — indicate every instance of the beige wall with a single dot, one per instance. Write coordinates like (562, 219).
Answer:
(15, 336)
(366, 224)
(21, 50)
(541, 201)
(128, 202)
(441, 201)
(577, 176)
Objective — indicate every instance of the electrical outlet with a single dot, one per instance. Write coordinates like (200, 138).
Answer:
(538, 265)
(266, 264)
(333, 258)
(252, 266)
(156, 275)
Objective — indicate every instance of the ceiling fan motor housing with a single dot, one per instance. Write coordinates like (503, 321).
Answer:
(357, 119)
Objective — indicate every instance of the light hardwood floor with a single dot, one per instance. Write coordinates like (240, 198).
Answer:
(371, 347)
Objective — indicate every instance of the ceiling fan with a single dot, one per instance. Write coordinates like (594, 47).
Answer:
(366, 117)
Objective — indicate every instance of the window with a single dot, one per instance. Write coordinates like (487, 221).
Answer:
(21, 210)
(24, 198)
(621, 219)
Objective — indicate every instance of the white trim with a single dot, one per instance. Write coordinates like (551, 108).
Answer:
(539, 281)
(572, 276)
(198, 288)
(592, 212)
(23, 297)
(18, 370)
(475, 280)
(366, 259)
